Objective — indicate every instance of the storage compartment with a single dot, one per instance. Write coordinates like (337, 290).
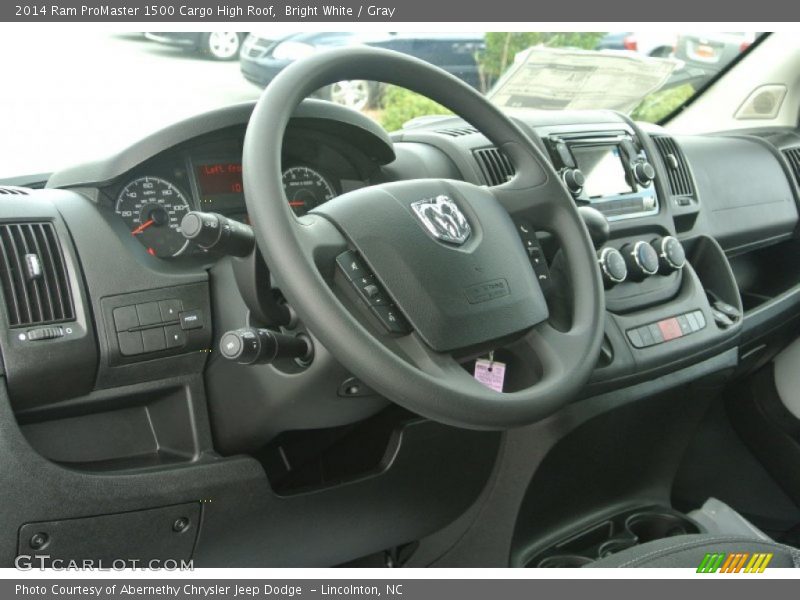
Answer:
(158, 534)
(612, 535)
(150, 429)
(766, 273)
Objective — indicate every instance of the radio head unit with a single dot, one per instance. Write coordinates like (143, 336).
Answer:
(608, 171)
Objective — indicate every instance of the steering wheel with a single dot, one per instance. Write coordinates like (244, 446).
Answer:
(447, 252)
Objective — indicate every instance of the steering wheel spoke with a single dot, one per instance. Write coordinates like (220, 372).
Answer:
(321, 242)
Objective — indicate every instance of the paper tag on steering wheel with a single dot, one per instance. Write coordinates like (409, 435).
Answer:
(490, 373)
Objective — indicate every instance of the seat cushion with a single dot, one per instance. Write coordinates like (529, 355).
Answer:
(688, 551)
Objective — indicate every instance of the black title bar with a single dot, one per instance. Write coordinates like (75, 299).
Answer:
(441, 11)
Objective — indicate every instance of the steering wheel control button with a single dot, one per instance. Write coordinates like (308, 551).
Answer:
(534, 250)
(125, 318)
(391, 319)
(191, 319)
(149, 313)
(174, 336)
(170, 309)
(370, 291)
(671, 255)
(130, 343)
(351, 265)
(641, 260)
(153, 339)
(612, 266)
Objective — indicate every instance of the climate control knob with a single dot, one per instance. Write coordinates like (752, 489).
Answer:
(644, 173)
(574, 179)
(612, 266)
(671, 255)
(641, 259)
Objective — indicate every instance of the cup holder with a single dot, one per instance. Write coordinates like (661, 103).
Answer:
(613, 546)
(650, 526)
(612, 535)
(564, 561)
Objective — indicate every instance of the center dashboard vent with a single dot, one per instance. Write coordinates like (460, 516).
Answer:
(678, 174)
(457, 131)
(495, 165)
(33, 275)
(13, 190)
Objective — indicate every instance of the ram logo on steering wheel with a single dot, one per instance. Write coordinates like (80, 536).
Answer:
(443, 219)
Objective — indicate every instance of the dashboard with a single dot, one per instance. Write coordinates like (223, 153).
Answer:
(130, 361)
(685, 254)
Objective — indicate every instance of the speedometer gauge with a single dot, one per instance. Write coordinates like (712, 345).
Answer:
(153, 208)
(306, 189)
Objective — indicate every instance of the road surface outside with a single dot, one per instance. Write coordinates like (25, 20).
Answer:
(73, 96)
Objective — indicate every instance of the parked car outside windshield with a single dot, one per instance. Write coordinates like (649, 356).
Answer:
(263, 58)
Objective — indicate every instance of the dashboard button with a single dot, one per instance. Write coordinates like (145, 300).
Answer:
(655, 331)
(125, 318)
(646, 335)
(130, 343)
(700, 318)
(169, 310)
(693, 324)
(670, 329)
(175, 337)
(45, 333)
(635, 338)
(149, 314)
(686, 327)
(153, 339)
(191, 319)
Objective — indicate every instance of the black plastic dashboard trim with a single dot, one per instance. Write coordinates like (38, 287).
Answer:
(106, 170)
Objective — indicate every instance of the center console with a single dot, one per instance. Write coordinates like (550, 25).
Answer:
(671, 298)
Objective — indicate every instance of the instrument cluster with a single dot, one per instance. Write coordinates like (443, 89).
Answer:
(153, 203)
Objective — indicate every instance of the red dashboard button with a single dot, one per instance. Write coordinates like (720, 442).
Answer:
(670, 329)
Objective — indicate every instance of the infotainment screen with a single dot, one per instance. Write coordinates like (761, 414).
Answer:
(602, 166)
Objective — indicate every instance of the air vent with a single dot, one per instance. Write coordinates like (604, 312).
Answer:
(457, 131)
(33, 275)
(793, 156)
(680, 179)
(495, 166)
(13, 190)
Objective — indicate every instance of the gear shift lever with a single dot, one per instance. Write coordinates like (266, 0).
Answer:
(597, 224)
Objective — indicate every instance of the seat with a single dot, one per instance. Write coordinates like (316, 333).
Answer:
(688, 551)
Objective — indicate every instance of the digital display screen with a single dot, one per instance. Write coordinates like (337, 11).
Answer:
(220, 186)
(602, 166)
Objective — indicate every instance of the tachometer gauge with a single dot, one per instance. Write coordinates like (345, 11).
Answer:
(306, 189)
(153, 209)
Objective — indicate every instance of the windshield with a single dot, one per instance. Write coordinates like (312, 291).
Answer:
(98, 91)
